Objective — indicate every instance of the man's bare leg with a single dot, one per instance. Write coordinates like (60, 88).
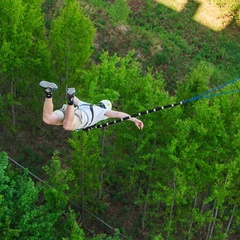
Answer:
(76, 100)
(68, 123)
(48, 115)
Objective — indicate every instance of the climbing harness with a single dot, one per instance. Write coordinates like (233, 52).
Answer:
(89, 122)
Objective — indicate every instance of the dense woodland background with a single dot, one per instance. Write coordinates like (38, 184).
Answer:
(178, 178)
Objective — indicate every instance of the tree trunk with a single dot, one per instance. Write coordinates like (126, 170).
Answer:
(231, 218)
(149, 182)
(13, 92)
(101, 174)
(191, 223)
(214, 221)
(172, 207)
(210, 224)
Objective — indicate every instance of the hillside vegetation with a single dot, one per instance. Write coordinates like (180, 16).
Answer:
(178, 178)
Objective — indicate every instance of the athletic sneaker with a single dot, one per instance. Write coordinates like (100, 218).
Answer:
(48, 86)
(71, 93)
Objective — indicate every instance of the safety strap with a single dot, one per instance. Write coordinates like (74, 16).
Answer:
(91, 109)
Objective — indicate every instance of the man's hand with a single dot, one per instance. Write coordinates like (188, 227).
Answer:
(137, 122)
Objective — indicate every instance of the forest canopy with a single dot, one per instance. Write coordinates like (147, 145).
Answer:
(178, 178)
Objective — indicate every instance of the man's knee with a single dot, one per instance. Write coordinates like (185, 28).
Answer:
(47, 120)
(51, 119)
(68, 126)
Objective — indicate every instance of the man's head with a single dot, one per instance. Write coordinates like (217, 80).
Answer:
(105, 104)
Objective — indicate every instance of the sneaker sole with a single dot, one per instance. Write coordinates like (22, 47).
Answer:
(45, 84)
(71, 91)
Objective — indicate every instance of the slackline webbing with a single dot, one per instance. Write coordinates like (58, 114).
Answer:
(208, 94)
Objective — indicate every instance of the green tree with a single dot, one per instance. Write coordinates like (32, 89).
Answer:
(59, 179)
(185, 187)
(119, 12)
(23, 56)
(71, 40)
(128, 154)
(30, 212)
(86, 165)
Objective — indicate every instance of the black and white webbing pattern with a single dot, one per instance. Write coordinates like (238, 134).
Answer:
(208, 94)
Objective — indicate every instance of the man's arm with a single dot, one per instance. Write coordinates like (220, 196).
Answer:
(117, 114)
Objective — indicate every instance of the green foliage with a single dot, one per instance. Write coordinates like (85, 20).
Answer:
(86, 165)
(119, 12)
(121, 81)
(71, 229)
(171, 41)
(99, 3)
(22, 216)
(197, 82)
(124, 75)
(181, 163)
(176, 178)
(104, 236)
(22, 38)
(197, 167)
(71, 38)
(59, 179)
(23, 59)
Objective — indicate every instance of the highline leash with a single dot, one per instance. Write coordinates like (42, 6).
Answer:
(208, 94)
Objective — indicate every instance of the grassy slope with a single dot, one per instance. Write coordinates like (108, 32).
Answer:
(166, 40)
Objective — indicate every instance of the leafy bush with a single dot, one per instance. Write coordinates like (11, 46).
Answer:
(119, 12)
